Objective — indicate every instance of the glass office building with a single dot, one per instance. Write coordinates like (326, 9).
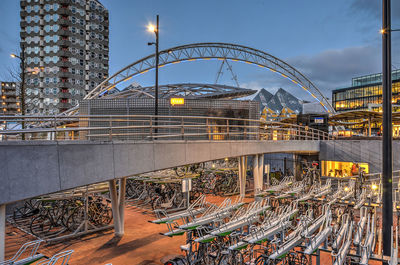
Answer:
(365, 93)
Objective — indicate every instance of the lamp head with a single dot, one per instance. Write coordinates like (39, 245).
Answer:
(151, 28)
(13, 55)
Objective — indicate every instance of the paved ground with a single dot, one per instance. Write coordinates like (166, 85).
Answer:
(142, 244)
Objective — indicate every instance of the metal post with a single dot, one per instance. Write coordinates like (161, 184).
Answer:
(387, 210)
(121, 201)
(369, 126)
(157, 62)
(115, 206)
(227, 129)
(23, 88)
(2, 231)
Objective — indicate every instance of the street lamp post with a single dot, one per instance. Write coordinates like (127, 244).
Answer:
(22, 85)
(155, 29)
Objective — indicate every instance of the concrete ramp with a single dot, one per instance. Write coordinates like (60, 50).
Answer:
(33, 168)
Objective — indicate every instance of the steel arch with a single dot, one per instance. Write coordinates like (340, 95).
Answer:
(206, 51)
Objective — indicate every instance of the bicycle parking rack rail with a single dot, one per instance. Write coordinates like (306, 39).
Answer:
(19, 258)
(394, 260)
(61, 256)
(340, 256)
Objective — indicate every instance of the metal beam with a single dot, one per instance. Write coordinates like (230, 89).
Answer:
(225, 51)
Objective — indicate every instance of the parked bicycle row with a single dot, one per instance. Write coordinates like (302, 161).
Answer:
(290, 224)
(52, 217)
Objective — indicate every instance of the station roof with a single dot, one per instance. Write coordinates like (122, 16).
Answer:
(186, 90)
(360, 116)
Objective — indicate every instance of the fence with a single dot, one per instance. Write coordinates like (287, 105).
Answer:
(149, 127)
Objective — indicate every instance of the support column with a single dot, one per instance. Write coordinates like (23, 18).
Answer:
(369, 126)
(122, 191)
(256, 172)
(261, 168)
(2, 231)
(242, 176)
(115, 206)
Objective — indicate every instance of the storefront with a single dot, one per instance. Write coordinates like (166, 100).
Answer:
(341, 169)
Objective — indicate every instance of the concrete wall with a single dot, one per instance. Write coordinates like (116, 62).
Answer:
(369, 151)
(33, 168)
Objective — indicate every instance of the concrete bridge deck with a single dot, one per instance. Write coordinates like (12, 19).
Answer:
(33, 168)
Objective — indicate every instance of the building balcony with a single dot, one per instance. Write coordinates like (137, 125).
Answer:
(64, 2)
(64, 12)
(12, 106)
(65, 85)
(64, 32)
(9, 93)
(65, 22)
(62, 74)
(64, 106)
(64, 43)
(64, 64)
(63, 53)
(64, 95)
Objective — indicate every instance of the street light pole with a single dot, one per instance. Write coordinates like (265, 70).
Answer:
(156, 92)
(387, 209)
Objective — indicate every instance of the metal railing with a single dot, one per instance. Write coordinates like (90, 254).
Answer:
(148, 127)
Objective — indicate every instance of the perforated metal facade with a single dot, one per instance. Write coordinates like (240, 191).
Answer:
(192, 107)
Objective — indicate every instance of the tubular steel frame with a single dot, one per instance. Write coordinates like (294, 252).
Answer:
(207, 51)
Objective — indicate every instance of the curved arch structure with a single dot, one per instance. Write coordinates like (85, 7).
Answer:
(187, 90)
(207, 51)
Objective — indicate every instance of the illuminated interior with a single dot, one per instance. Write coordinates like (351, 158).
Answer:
(342, 169)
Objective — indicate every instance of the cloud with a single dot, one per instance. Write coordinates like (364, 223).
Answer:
(331, 69)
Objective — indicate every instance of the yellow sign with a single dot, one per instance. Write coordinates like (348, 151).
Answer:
(177, 101)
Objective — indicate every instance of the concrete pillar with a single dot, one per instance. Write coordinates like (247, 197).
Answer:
(2, 231)
(261, 168)
(256, 172)
(242, 175)
(369, 126)
(122, 191)
(115, 207)
(267, 171)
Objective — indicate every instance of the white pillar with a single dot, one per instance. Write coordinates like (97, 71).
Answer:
(2, 231)
(122, 191)
(261, 168)
(256, 172)
(242, 176)
(267, 171)
(115, 207)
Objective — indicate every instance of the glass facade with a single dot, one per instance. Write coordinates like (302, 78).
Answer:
(365, 94)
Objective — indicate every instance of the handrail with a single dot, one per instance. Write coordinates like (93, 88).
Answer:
(150, 127)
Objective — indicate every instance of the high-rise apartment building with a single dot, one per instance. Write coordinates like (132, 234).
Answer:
(66, 49)
(9, 98)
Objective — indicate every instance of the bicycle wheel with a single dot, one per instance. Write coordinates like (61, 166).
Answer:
(261, 260)
(75, 219)
(156, 203)
(41, 226)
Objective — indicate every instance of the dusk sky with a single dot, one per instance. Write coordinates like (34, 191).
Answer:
(328, 41)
